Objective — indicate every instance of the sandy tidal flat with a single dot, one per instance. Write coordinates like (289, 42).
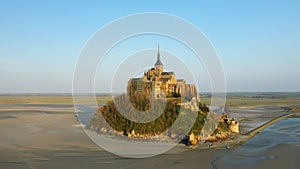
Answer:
(37, 138)
(48, 137)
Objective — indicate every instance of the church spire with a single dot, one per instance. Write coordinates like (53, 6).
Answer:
(158, 64)
(158, 53)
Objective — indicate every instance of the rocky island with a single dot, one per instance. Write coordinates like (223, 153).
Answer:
(168, 95)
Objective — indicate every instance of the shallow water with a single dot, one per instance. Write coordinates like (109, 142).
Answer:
(278, 146)
(256, 151)
(85, 113)
(253, 152)
(251, 118)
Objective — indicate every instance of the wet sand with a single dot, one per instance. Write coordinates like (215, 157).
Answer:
(277, 146)
(282, 156)
(39, 138)
(46, 137)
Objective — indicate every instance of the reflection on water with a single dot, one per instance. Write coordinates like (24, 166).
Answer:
(283, 132)
(85, 113)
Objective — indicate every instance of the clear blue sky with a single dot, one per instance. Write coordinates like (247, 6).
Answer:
(257, 41)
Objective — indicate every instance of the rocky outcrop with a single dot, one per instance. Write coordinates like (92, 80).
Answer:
(188, 91)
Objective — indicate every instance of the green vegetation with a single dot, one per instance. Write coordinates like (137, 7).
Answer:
(222, 128)
(162, 123)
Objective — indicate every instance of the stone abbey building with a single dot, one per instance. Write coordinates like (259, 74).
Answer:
(161, 84)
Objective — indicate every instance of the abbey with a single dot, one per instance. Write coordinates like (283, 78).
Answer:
(161, 84)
